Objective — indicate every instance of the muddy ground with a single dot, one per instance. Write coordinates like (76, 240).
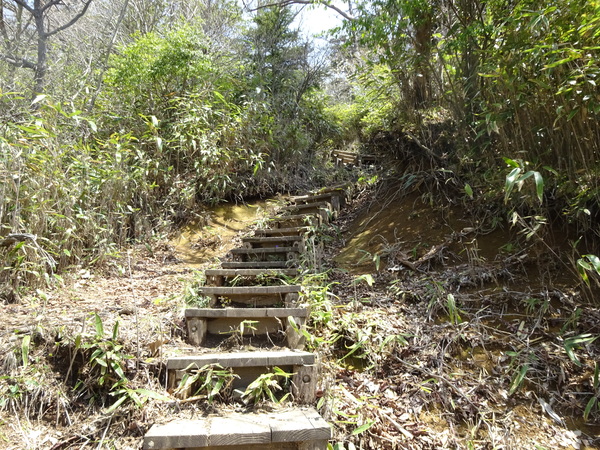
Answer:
(435, 333)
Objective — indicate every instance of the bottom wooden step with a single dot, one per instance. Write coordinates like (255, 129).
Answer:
(298, 429)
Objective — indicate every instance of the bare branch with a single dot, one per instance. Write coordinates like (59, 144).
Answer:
(72, 21)
(24, 5)
(50, 4)
(18, 62)
(283, 3)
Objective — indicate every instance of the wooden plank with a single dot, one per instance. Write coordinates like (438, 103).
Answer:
(294, 231)
(243, 359)
(272, 239)
(282, 429)
(258, 264)
(248, 290)
(177, 434)
(333, 198)
(197, 329)
(232, 273)
(239, 430)
(300, 426)
(263, 251)
(302, 206)
(310, 198)
(304, 383)
(296, 217)
(247, 313)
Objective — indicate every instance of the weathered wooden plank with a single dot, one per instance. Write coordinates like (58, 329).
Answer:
(258, 264)
(274, 241)
(310, 198)
(197, 329)
(311, 218)
(178, 434)
(333, 198)
(263, 250)
(293, 231)
(243, 359)
(218, 277)
(305, 206)
(246, 313)
(239, 429)
(299, 426)
(290, 429)
(232, 273)
(304, 383)
(245, 290)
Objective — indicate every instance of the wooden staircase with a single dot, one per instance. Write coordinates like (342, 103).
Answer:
(272, 314)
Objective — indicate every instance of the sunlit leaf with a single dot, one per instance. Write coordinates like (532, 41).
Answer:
(364, 427)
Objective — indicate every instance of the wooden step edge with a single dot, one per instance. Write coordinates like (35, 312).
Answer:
(324, 205)
(294, 217)
(259, 239)
(249, 272)
(257, 251)
(241, 430)
(299, 230)
(243, 359)
(270, 265)
(248, 313)
(241, 290)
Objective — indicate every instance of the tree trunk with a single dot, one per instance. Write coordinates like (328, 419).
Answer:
(42, 51)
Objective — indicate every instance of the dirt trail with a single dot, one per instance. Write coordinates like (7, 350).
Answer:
(423, 371)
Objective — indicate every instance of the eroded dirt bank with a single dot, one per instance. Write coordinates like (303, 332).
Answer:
(464, 337)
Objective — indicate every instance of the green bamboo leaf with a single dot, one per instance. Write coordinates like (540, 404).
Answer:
(518, 379)
(115, 333)
(571, 344)
(98, 325)
(152, 394)
(25, 350)
(116, 404)
(511, 179)
(588, 409)
(364, 427)
(539, 186)
(468, 190)
(511, 163)
(595, 262)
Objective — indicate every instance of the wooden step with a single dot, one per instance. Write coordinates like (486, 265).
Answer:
(345, 158)
(266, 254)
(323, 209)
(273, 241)
(297, 220)
(259, 264)
(292, 429)
(292, 231)
(251, 296)
(248, 366)
(219, 277)
(355, 159)
(333, 198)
(222, 324)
